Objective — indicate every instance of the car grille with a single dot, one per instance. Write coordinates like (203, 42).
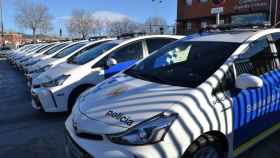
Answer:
(90, 136)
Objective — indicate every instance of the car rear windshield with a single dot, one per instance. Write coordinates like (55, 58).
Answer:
(90, 54)
(184, 63)
(55, 49)
(69, 50)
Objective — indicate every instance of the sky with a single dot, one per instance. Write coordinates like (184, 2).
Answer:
(137, 10)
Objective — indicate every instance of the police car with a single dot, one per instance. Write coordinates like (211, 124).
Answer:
(212, 96)
(57, 89)
(21, 54)
(46, 55)
(61, 57)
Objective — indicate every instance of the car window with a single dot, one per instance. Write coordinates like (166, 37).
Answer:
(55, 49)
(44, 48)
(276, 39)
(184, 63)
(130, 52)
(257, 59)
(69, 50)
(227, 82)
(155, 44)
(90, 53)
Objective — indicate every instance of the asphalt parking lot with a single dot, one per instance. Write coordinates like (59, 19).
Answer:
(27, 133)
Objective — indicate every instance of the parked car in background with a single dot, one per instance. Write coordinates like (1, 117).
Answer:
(57, 89)
(46, 55)
(61, 57)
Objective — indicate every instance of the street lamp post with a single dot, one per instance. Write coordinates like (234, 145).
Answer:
(2, 23)
(270, 12)
(276, 12)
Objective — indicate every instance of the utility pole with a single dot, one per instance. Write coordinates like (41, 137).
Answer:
(270, 12)
(276, 12)
(2, 23)
(157, 3)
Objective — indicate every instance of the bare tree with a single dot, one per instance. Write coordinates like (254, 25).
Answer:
(155, 24)
(81, 23)
(33, 16)
(122, 26)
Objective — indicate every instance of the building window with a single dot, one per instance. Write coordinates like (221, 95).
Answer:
(203, 24)
(189, 26)
(249, 18)
(203, 1)
(189, 2)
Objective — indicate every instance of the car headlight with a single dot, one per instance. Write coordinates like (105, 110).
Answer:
(56, 82)
(147, 132)
(42, 69)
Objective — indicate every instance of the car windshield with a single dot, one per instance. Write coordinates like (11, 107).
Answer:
(69, 50)
(87, 55)
(55, 49)
(184, 63)
(44, 48)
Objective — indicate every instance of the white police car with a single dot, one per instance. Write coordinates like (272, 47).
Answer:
(212, 96)
(57, 89)
(61, 57)
(46, 55)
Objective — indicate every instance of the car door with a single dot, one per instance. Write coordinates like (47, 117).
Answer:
(125, 57)
(256, 109)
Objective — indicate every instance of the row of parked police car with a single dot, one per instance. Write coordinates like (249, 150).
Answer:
(207, 95)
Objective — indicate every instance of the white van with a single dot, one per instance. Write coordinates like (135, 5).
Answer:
(57, 89)
(212, 96)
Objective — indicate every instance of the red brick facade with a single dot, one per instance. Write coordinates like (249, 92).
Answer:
(12, 39)
(192, 15)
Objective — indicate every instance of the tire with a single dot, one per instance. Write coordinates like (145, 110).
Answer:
(74, 96)
(206, 146)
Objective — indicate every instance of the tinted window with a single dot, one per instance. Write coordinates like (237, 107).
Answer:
(276, 39)
(155, 44)
(184, 63)
(258, 59)
(131, 52)
(44, 48)
(227, 82)
(88, 54)
(55, 49)
(69, 50)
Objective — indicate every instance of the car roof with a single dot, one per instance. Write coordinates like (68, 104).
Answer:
(231, 36)
(125, 41)
(234, 36)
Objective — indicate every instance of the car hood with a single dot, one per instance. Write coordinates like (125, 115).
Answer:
(125, 101)
(54, 72)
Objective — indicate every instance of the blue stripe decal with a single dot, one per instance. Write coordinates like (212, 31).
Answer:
(118, 68)
(255, 110)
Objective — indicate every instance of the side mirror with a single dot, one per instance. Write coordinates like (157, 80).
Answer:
(111, 62)
(245, 81)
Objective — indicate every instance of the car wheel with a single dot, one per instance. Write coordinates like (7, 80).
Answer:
(206, 146)
(75, 94)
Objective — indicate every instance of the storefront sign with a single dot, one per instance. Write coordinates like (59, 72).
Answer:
(252, 5)
(218, 10)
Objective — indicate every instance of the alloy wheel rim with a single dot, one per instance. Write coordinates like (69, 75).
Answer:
(207, 152)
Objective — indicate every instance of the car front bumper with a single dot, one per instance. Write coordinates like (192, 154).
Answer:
(77, 147)
(45, 99)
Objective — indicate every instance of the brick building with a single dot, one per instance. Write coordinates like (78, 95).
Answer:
(192, 15)
(12, 39)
